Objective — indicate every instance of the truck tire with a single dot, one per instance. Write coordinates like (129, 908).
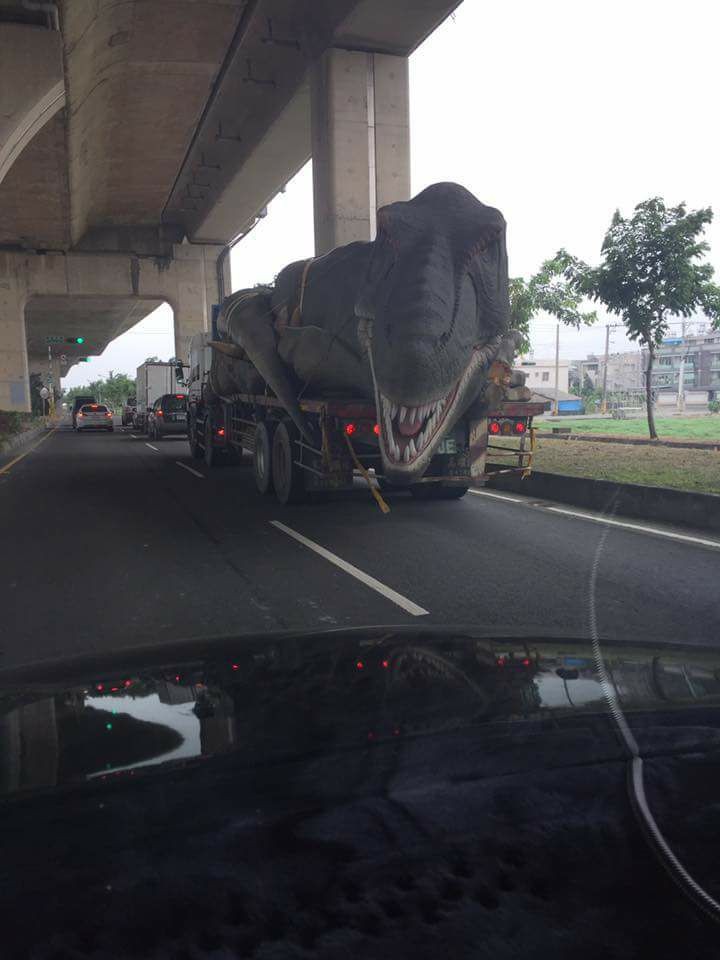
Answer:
(288, 478)
(210, 451)
(262, 456)
(196, 449)
(437, 491)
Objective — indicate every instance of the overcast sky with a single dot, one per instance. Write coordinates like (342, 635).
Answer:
(556, 112)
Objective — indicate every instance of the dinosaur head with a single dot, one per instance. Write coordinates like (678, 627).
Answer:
(432, 313)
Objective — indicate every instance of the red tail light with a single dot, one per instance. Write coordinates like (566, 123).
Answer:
(108, 414)
(160, 413)
(179, 396)
(81, 414)
(350, 429)
(221, 431)
(376, 429)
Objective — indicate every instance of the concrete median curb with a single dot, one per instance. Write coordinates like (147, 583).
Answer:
(20, 439)
(701, 511)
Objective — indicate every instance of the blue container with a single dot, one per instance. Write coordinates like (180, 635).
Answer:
(570, 406)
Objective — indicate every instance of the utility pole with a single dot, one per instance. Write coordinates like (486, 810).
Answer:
(681, 372)
(603, 405)
(51, 384)
(557, 369)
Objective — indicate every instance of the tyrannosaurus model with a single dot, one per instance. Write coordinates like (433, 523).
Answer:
(413, 320)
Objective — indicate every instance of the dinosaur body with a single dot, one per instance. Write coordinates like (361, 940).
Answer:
(412, 320)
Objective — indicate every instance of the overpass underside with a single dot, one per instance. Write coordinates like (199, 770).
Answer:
(138, 140)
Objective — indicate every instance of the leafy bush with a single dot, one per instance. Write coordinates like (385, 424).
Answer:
(12, 422)
(714, 406)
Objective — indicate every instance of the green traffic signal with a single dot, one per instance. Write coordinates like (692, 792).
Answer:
(74, 339)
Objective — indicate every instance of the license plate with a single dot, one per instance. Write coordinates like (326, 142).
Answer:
(448, 445)
(179, 417)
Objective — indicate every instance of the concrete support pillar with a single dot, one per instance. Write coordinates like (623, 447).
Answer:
(360, 142)
(14, 392)
(192, 289)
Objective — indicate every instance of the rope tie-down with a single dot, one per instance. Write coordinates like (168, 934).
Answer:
(373, 489)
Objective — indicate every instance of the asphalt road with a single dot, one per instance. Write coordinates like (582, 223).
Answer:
(110, 541)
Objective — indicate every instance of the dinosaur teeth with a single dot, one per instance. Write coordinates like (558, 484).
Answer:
(403, 414)
(406, 454)
(411, 448)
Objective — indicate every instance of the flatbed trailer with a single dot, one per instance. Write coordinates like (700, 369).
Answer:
(220, 428)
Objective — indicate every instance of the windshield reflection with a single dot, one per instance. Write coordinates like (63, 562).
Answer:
(289, 699)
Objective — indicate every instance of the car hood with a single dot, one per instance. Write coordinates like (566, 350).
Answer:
(105, 719)
(394, 792)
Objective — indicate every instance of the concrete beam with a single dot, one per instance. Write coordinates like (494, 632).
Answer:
(254, 134)
(32, 89)
(360, 140)
(48, 294)
(279, 155)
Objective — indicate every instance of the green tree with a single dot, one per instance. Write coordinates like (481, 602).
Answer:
(114, 390)
(547, 291)
(651, 270)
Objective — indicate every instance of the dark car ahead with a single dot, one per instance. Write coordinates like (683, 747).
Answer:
(78, 404)
(168, 416)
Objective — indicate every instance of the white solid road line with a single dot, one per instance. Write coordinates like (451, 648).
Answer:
(152, 447)
(397, 598)
(134, 436)
(496, 496)
(190, 470)
(637, 526)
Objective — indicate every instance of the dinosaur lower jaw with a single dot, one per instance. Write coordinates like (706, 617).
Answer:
(410, 434)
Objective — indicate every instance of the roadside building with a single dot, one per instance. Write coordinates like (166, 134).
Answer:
(625, 371)
(541, 373)
(695, 359)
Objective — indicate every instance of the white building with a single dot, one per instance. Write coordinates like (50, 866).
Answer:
(541, 373)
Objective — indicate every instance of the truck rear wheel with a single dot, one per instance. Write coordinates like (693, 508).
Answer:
(210, 452)
(437, 491)
(288, 478)
(196, 449)
(262, 456)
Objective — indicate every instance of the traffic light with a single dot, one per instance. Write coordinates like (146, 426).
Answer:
(83, 359)
(74, 339)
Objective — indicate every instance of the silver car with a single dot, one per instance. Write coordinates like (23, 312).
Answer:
(94, 416)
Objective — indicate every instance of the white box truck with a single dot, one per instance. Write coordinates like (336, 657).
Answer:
(153, 380)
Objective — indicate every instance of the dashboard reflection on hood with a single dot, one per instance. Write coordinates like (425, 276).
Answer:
(276, 699)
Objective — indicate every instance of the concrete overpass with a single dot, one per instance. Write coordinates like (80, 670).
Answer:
(137, 140)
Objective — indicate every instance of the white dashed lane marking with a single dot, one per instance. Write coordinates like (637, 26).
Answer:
(195, 473)
(397, 598)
